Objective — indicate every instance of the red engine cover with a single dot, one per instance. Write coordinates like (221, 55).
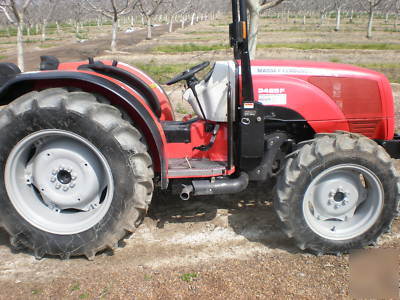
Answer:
(329, 96)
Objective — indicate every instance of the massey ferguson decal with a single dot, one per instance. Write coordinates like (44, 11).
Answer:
(272, 96)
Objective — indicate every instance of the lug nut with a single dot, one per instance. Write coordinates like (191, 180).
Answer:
(58, 186)
(69, 169)
(55, 171)
(74, 176)
(336, 206)
(53, 179)
(72, 185)
(65, 188)
(329, 202)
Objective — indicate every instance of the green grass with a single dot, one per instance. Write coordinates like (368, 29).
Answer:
(332, 46)
(36, 292)
(162, 73)
(84, 296)
(189, 277)
(45, 46)
(189, 48)
(75, 287)
(391, 70)
(2, 57)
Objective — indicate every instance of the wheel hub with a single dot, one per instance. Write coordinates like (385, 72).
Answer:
(64, 177)
(66, 186)
(333, 204)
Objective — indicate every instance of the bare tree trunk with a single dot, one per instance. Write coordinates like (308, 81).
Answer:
(20, 46)
(44, 24)
(351, 16)
(396, 19)
(58, 27)
(183, 22)
(192, 22)
(253, 36)
(114, 34)
(338, 18)
(171, 23)
(149, 33)
(370, 23)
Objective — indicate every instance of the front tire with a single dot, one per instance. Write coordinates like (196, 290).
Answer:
(77, 177)
(338, 192)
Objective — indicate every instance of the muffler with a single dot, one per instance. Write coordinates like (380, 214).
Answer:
(215, 187)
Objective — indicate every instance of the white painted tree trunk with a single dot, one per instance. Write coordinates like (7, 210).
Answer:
(193, 16)
(114, 35)
(338, 18)
(20, 46)
(58, 27)
(149, 31)
(370, 24)
(44, 24)
(253, 34)
(396, 20)
(183, 22)
(352, 16)
(171, 23)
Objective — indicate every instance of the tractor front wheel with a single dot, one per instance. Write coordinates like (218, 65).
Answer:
(338, 192)
(77, 177)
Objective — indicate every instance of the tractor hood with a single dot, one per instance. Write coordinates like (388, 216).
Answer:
(360, 100)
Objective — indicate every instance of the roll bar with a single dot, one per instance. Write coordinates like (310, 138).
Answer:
(239, 38)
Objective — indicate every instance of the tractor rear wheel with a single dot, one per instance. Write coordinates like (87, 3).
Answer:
(338, 192)
(77, 177)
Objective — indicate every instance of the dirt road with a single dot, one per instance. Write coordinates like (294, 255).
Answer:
(219, 247)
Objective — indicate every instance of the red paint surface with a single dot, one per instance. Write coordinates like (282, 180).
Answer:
(331, 96)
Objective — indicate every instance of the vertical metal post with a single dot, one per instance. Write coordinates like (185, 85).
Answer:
(247, 78)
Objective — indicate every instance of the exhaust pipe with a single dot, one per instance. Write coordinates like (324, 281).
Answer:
(216, 187)
(185, 193)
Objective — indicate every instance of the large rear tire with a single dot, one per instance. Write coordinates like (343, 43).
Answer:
(77, 176)
(338, 192)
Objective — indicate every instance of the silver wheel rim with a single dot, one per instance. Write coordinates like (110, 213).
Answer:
(343, 202)
(59, 182)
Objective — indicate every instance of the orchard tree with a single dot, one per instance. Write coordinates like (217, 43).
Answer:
(256, 8)
(46, 9)
(339, 4)
(15, 13)
(148, 8)
(371, 6)
(113, 9)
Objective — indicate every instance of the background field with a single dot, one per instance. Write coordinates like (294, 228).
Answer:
(216, 247)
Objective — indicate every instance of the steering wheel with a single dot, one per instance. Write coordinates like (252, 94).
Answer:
(188, 73)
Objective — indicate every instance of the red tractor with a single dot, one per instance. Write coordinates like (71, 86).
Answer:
(84, 145)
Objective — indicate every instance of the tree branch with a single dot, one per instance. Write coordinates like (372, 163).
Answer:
(4, 10)
(266, 5)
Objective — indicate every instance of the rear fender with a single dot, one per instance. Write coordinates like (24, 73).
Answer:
(167, 113)
(117, 93)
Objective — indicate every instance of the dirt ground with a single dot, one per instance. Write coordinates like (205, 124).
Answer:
(209, 247)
